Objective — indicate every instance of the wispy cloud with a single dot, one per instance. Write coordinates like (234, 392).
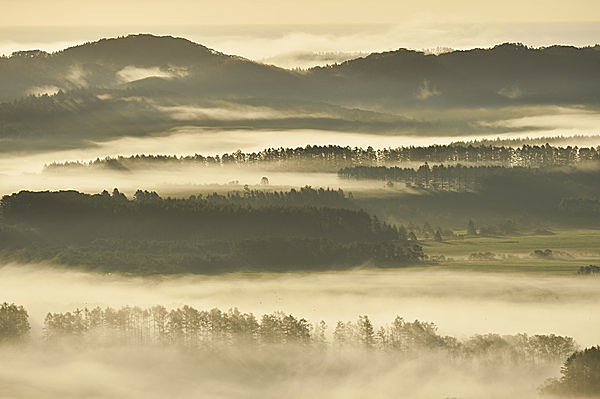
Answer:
(426, 90)
(132, 73)
(511, 92)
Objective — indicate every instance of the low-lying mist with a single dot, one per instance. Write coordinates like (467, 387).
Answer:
(183, 180)
(188, 140)
(75, 371)
(192, 140)
(460, 303)
(24, 171)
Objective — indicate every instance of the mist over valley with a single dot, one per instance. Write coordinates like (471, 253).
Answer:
(323, 210)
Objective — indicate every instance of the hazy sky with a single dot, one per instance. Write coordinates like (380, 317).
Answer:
(155, 12)
(302, 32)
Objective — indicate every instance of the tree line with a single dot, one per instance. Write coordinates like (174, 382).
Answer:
(462, 178)
(213, 330)
(458, 178)
(305, 196)
(199, 329)
(207, 329)
(539, 141)
(335, 157)
(80, 215)
(585, 207)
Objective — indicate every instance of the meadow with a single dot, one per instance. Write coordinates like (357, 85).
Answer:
(571, 248)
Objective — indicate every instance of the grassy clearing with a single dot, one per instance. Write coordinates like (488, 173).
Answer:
(571, 250)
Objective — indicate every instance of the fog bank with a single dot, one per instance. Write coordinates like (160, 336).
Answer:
(72, 371)
(460, 303)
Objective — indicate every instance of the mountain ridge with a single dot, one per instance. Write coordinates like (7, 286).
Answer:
(505, 74)
(139, 84)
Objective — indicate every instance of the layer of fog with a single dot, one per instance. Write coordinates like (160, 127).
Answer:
(76, 371)
(563, 121)
(186, 180)
(550, 121)
(460, 303)
(25, 171)
(233, 112)
(193, 140)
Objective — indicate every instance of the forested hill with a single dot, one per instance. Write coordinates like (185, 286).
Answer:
(142, 84)
(507, 74)
(111, 63)
(200, 234)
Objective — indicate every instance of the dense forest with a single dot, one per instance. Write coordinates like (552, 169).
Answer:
(449, 196)
(200, 234)
(334, 157)
(305, 196)
(460, 178)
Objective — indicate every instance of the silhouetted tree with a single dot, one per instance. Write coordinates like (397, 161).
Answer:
(580, 375)
(14, 322)
(471, 231)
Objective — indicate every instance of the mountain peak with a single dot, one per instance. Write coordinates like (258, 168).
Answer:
(143, 47)
(510, 46)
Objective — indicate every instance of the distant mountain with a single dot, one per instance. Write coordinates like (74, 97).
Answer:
(146, 64)
(143, 84)
(112, 63)
(503, 75)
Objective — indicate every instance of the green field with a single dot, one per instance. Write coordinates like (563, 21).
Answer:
(571, 250)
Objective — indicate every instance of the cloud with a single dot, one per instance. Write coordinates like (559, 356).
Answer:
(426, 90)
(460, 303)
(229, 113)
(308, 59)
(75, 369)
(131, 73)
(77, 76)
(512, 92)
(557, 120)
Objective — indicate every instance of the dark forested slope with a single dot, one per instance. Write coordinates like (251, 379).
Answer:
(505, 74)
(143, 84)
(200, 234)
